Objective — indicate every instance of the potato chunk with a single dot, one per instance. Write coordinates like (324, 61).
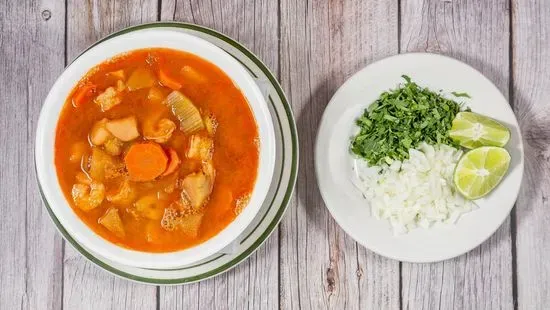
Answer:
(200, 147)
(111, 220)
(103, 166)
(124, 129)
(99, 134)
(149, 207)
(113, 146)
(190, 224)
(88, 197)
(141, 78)
(196, 189)
(124, 195)
(161, 132)
(83, 178)
(155, 94)
(108, 99)
(119, 74)
(189, 73)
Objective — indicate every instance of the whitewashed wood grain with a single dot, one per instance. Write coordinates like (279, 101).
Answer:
(476, 32)
(323, 43)
(30, 255)
(13, 172)
(531, 72)
(254, 283)
(45, 23)
(85, 285)
(320, 44)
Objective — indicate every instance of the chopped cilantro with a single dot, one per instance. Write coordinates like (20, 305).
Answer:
(402, 118)
(461, 94)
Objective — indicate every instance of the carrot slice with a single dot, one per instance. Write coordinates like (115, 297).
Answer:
(168, 81)
(173, 163)
(83, 93)
(145, 161)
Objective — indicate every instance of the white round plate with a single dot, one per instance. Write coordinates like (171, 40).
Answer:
(334, 161)
(279, 193)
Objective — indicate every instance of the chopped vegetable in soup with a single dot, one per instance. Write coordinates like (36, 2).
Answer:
(156, 150)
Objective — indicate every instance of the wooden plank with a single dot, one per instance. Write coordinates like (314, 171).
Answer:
(250, 285)
(44, 244)
(322, 44)
(254, 283)
(31, 257)
(531, 68)
(478, 34)
(13, 114)
(85, 285)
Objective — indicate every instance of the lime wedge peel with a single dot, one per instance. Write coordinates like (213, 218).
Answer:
(472, 130)
(480, 170)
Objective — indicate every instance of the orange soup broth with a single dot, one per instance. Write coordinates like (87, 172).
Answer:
(235, 156)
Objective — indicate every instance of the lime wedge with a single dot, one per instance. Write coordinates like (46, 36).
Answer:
(480, 170)
(473, 130)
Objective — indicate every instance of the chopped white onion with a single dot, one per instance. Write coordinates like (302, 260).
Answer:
(416, 192)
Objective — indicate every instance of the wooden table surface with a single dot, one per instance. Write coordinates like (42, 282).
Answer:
(312, 46)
